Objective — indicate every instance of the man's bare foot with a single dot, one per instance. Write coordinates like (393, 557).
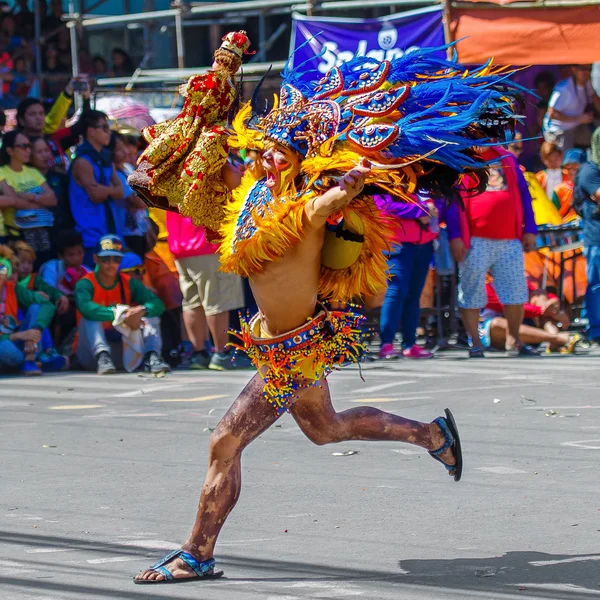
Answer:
(437, 441)
(177, 567)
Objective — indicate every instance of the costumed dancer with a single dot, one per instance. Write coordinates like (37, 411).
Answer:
(303, 227)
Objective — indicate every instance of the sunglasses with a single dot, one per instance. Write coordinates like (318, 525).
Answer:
(135, 271)
(23, 146)
(108, 259)
(104, 127)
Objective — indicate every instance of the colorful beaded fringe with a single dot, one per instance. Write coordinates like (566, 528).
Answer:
(324, 344)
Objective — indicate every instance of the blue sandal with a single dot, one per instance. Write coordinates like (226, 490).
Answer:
(203, 570)
(450, 431)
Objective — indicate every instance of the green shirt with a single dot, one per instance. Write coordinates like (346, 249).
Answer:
(25, 298)
(92, 311)
(39, 285)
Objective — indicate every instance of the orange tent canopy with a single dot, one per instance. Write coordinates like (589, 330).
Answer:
(527, 36)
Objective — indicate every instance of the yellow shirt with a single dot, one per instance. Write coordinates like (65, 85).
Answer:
(27, 180)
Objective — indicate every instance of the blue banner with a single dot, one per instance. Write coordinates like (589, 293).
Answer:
(383, 39)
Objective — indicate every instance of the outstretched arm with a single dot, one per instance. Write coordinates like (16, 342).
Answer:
(319, 209)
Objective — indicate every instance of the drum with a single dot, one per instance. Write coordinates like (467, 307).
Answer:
(560, 238)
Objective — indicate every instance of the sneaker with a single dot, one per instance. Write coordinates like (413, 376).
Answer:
(154, 364)
(527, 350)
(225, 361)
(387, 352)
(30, 369)
(52, 361)
(416, 352)
(520, 351)
(105, 364)
(200, 360)
(476, 353)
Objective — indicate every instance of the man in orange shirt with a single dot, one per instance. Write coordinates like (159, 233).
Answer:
(97, 295)
(562, 196)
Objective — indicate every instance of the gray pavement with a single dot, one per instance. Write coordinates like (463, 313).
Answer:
(100, 476)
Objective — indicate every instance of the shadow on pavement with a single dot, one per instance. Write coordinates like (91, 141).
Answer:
(533, 572)
(549, 576)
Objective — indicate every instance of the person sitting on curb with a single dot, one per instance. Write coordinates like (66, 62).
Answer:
(494, 329)
(23, 317)
(97, 296)
(542, 314)
(27, 257)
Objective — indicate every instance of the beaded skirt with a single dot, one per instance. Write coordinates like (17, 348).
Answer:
(303, 357)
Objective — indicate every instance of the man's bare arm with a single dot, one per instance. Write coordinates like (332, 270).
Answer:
(47, 198)
(332, 201)
(231, 176)
(116, 188)
(83, 174)
(584, 119)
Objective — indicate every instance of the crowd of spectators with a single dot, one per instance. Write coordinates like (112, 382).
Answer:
(90, 277)
(508, 278)
(18, 51)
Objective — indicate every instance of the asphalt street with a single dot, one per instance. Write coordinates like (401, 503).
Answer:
(100, 476)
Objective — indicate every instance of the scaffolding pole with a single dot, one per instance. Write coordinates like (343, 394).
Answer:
(38, 43)
(74, 41)
(179, 39)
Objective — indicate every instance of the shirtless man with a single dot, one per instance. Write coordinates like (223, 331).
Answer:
(286, 293)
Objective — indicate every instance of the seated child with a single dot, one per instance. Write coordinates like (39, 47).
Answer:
(24, 316)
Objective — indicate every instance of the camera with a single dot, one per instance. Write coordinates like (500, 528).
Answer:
(80, 85)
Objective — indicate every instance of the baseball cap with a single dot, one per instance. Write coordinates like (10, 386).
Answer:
(574, 156)
(110, 245)
(130, 261)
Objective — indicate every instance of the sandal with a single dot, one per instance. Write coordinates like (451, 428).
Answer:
(203, 570)
(450, 431)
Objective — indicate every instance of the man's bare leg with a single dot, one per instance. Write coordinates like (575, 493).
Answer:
(470, 318)
(527, 334)
(514, 314)
(249, 416)
(219, 326)
(321, 424)
(195, 327)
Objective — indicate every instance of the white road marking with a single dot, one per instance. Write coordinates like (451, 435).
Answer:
(385, 386)
(538, 407)
(481, 387)
(199, 399)
(236, 542)
(142, 391)
(564, 561)
(76, 406)
(584, 444)
(48, 550)
(501, 470)
(325, 590)
(111, 559)
(403, 399)
(124, 415)
(558, 587)
(151, 544)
